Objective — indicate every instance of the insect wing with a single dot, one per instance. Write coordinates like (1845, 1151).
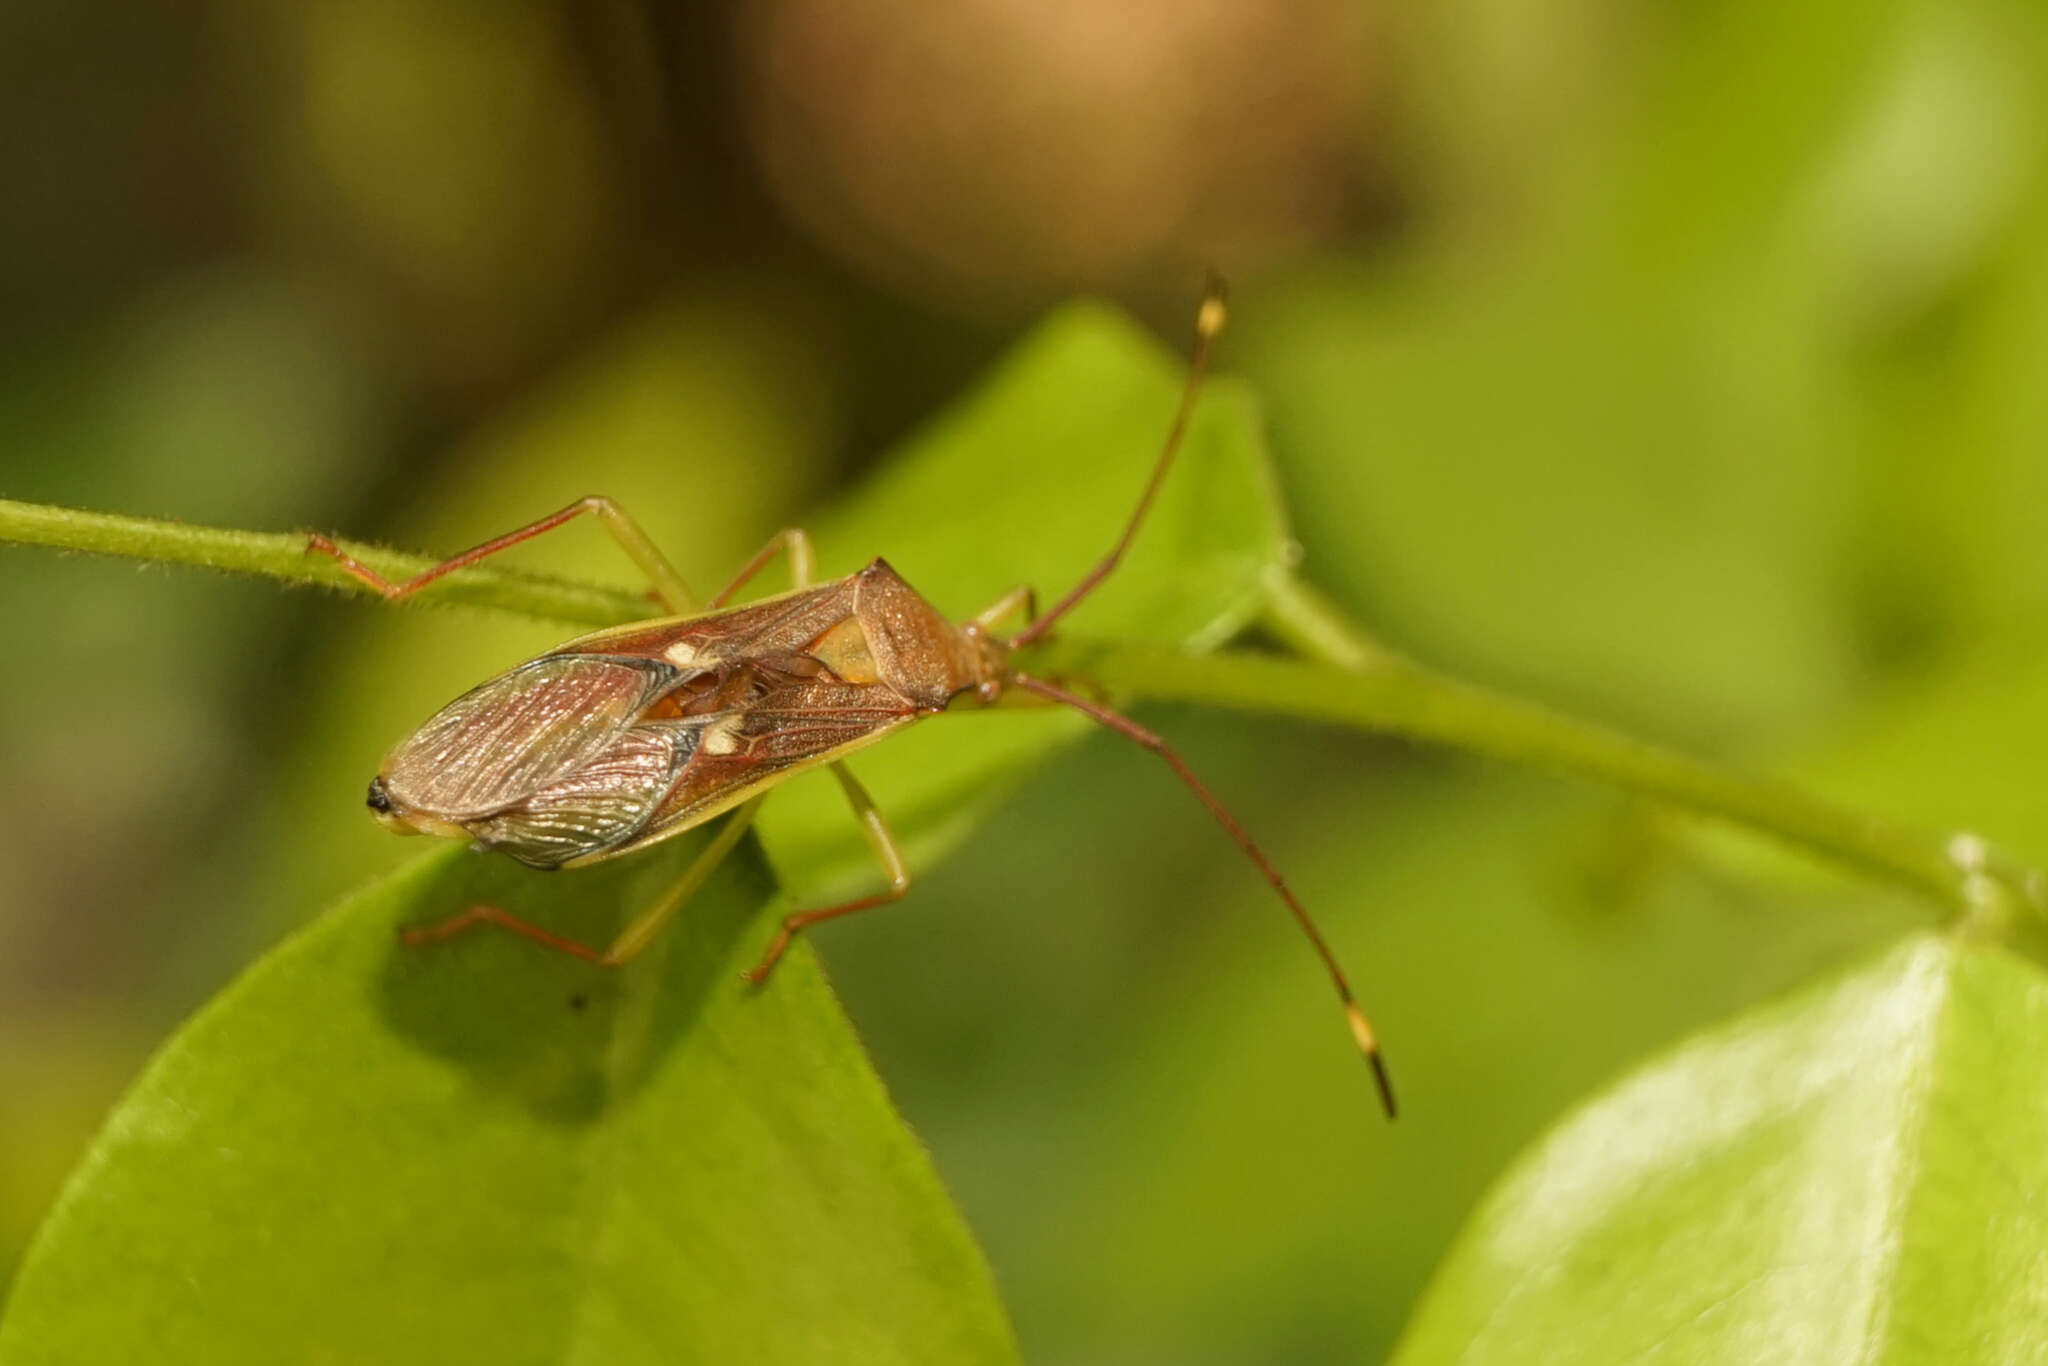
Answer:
(733, 636)
(599, 804)
(788, 725)
(520, 734)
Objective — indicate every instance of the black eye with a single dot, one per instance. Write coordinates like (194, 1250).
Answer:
(379, 800)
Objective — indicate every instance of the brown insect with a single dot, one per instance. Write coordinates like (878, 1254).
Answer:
(628, 736)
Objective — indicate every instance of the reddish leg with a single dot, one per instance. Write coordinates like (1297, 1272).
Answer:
(793, 925)
(668, 585)
(415, 935)
(1361, 1030)
(886, 853)
(638, 933)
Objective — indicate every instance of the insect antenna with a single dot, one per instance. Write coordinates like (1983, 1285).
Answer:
(1208, 322)
(1361, 1028)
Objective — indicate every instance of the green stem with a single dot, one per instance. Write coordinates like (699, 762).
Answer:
(282, 555)
(1347, 678)
(1354, 681)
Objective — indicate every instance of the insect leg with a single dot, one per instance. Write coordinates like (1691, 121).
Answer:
(668, 585)
(415, 935)
(632, 939)
(1023, 598)
(802, 564)
(640, 933)
(1208, 322)
(886, 854)
(1361, 1030)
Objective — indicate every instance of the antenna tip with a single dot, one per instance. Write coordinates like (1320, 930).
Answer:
(1386, 1085)
(1209, 320)
(1369, 1045)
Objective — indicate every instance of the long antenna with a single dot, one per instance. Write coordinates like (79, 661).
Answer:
(1361, 1028)
(1208, 322)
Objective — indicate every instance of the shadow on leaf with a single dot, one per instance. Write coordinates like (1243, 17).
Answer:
(559, 1037)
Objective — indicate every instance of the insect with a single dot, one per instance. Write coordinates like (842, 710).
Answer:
(627, 736)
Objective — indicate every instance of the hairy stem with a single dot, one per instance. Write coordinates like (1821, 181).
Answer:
(282, 555)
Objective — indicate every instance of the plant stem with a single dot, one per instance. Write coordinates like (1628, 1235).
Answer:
(1347, 678)
(1354, 681)
(282, 555)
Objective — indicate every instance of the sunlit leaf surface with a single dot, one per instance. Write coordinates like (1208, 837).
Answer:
(1858, 1173)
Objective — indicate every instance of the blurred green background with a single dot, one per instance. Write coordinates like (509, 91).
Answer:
(1680, 365)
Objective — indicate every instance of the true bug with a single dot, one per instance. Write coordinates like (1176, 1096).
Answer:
(629, 735)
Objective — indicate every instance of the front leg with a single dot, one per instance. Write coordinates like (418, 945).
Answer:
(1021, 599)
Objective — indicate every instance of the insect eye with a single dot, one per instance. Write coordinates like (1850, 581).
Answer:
(379, 800)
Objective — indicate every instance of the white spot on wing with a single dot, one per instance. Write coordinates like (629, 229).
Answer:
(721, 736)
(682, 654)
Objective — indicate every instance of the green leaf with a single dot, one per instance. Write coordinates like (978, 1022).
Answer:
(482, 1152)
(1853, 1174)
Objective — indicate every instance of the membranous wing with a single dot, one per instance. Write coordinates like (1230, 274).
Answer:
(594, 808)
(522, 733)
(770, 724)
